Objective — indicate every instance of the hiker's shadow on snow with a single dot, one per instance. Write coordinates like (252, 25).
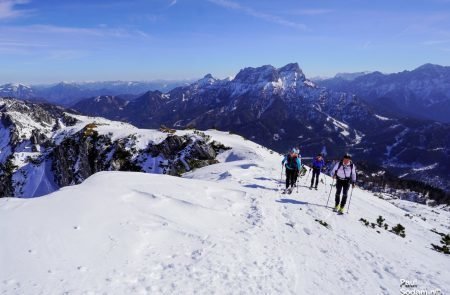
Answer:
(290, 201)
(265, 178)
(296, 202)
(301, 185)
(260, 186)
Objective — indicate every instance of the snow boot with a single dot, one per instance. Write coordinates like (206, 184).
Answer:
(341, 210)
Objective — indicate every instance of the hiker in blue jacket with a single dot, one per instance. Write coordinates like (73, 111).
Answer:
(317, 166)
(292, 163)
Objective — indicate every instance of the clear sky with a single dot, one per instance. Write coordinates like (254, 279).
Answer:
(53, 40)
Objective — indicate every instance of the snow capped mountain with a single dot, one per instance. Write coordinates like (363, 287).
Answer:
(421, 93)
(16, 90)
(207, 80)
(43, 148)
(270, 80)
(69, 93)
(280, 107)
(224, 228)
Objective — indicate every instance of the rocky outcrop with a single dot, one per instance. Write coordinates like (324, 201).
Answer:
(42, 150)
(85, 153)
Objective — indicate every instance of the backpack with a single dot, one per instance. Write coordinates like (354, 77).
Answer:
(292, 162)
(351, 170)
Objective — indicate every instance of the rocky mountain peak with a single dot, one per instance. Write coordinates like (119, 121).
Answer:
(207, 80)
(263, 74)
(292, 69)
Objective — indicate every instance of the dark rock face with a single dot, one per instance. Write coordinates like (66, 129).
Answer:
(82, 155)
(6, 183)
(101, 106)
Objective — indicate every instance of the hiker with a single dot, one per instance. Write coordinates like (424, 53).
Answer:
(317, 166)
(345, 174)
(293, 164)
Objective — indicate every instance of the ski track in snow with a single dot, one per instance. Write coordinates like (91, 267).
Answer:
(222, 229)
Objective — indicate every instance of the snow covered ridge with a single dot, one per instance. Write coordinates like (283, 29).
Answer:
(44, 148)
(221, 229)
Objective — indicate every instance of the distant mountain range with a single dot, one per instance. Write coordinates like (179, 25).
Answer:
(280, 107)
(67, 94)
(421, 93)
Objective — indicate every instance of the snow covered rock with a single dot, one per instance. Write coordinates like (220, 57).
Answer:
(44, 148)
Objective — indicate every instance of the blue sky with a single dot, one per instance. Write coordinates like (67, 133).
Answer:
(52, 40)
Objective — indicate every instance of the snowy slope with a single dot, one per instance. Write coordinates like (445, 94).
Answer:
(224, 229)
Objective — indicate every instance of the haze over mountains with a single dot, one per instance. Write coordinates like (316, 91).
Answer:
(67, 93)
(421, 93)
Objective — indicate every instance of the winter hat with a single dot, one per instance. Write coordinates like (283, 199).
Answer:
(347, 156)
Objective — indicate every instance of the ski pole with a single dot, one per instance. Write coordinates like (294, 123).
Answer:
(281, 176)
(325, 177)
(331, 189)
(349, 200)
(309, 171)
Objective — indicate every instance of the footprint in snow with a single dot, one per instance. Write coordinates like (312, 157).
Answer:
(195, 255)
(291, 224)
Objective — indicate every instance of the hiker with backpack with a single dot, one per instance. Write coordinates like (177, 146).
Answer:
(293, 164)
(317, 166)
(345, 174)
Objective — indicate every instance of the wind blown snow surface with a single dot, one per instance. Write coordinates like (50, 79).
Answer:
(223, 229)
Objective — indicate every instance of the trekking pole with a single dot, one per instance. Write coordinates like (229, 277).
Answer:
(349, 200)
(309, 171)
(281, 176)
(331, 189)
